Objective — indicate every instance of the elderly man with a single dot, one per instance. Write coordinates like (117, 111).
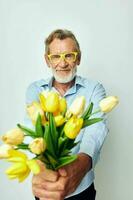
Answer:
(76, 180)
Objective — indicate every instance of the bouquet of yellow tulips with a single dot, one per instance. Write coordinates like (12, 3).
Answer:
(53, 137)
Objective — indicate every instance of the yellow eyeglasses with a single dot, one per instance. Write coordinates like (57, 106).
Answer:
(68, 57)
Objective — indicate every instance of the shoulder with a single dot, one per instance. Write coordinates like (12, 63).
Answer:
(33, 89)
(91, 88)
(37, 83)
(89, 83)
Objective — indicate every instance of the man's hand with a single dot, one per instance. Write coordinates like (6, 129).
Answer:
(45, 177)
(50, 185)
(75, 173)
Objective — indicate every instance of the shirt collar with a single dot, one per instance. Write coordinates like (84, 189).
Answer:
(48, 82)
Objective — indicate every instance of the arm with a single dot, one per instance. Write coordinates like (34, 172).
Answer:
(94, 136)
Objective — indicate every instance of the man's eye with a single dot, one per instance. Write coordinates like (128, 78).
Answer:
(69, 55)
(55, 56)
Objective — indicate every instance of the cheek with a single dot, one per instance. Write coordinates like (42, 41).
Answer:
(73, 65)
(52, 66)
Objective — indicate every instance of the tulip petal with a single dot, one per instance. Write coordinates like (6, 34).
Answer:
(34, 167)
(15, 159)
(15, 153)
(42, 101)
(16, 169)
(24, 175)
(11, 176)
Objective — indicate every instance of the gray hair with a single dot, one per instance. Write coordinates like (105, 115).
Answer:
(62, 34)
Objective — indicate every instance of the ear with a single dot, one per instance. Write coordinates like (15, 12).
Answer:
(47, 60)
(78, 61)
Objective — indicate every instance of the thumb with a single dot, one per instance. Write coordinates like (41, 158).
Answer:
(62, 172)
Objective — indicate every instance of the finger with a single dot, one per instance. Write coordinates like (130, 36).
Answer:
(44, 194)
(53, 195)
(41, 164)
(39, 193)
(48, 174)
(59, 185)
(62, 172)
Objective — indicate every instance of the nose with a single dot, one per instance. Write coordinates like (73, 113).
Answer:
(63, 63)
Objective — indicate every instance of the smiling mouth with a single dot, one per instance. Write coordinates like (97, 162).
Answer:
(63, 70)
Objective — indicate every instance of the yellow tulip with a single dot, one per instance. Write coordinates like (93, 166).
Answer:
(63, 105)
(42, 98)
(44, 93)
(73, 127)
(52, 102)
(21, 166)
(33, 110)
(37, 146)
(108, 103)
(77, 107)
(59, 120)
(4, 150)
(13, 137)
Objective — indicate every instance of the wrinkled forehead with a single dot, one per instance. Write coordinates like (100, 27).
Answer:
(62, 46)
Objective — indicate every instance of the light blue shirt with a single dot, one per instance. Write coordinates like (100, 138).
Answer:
(92, 137)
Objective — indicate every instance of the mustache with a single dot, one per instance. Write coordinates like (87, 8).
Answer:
(66, 69)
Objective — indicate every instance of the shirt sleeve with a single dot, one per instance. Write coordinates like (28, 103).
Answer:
(31, 95)
(94, 135)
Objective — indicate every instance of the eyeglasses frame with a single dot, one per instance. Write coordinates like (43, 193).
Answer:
(62, 55)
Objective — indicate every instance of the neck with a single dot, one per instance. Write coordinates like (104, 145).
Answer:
(63, 87)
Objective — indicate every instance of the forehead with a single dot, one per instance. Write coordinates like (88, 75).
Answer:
(60, 46)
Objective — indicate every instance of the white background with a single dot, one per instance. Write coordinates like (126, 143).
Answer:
(103, 28)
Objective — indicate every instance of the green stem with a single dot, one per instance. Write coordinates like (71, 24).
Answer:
(97, 111)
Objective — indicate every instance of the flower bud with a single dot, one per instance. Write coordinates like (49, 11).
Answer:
(13, 137)
(4, 150)
(33, 110)
(37, 146)
(59, 120)
(73, 127)
(52, 102)
(108, 103)
(77, 107)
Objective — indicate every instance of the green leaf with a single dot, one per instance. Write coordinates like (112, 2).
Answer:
(60, 130)
(53, 132)
(52, 161)
(49, 141)
(39, 127)
(72, 145)
(88, 111)
(91, 121)
(42, 158)
(65, 161)
(65, 152)
(22, 146)
(62, 142)
(27, 131)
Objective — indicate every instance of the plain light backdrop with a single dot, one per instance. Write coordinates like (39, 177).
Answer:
(104, 31)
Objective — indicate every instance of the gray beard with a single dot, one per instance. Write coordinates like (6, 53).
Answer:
(66, 79)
